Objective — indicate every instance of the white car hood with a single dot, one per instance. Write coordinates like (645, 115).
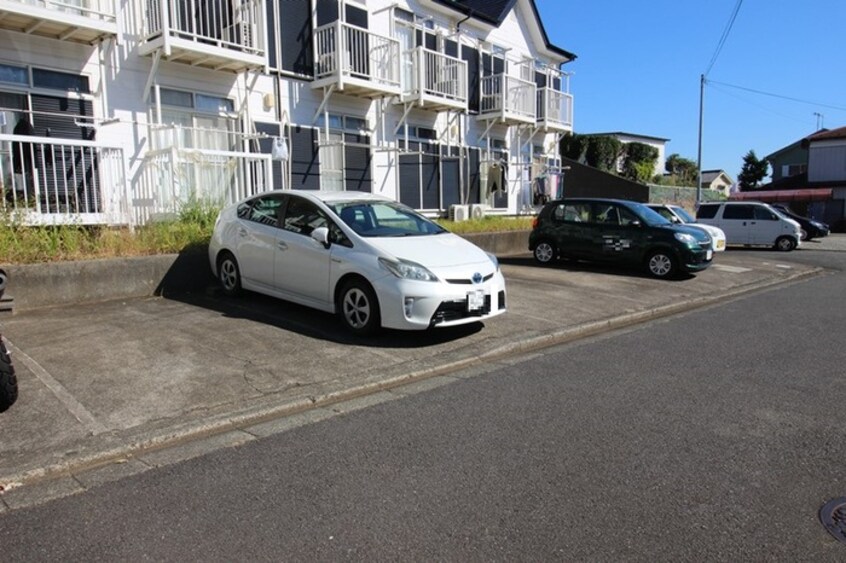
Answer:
(710, 229)
(444, 250)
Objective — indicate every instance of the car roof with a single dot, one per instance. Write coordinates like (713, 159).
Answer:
(328, 196)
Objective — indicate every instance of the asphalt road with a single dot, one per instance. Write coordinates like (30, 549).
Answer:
(712, 435)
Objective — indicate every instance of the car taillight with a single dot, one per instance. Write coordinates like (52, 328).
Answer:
(535, 222)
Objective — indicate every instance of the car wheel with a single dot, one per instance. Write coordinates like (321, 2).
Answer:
(545, 252)
(803, 235)
(358, 308)
(8, 380)
(785, 244)
(228, 274)
(661, 264)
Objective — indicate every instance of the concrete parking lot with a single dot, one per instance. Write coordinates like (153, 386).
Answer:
(110, 388)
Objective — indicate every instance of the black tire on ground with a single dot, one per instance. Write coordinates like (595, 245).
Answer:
(661, 264)
(785, 244)
(545, 253)
(358, 308)
(8, 380)
(228, 274)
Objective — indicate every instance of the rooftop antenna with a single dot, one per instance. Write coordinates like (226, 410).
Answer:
(820, 120)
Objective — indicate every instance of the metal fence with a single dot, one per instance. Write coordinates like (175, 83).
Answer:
(227, 23)
(61, 181)
(353, 51)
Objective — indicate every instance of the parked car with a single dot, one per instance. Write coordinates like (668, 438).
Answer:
(8, 380)
(751, 223)
(678, 214)
(811, 228)
(371, 260)
(618, 231)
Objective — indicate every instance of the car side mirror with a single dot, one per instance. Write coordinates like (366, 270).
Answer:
(321, 235)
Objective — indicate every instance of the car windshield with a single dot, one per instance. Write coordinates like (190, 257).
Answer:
(649, 216)
(685, 216)
(384, 219)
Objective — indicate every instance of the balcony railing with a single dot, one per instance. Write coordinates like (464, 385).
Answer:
(175, 175)
(508, 98)
(82, 21)
(555, 109)
(61, 181)
(356, 59)
(210, 33)
(434, 79)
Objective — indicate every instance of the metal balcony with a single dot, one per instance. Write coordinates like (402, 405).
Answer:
(434, 80)
(555, 110)
(217, 34)
(508, 99)
(80, 21)
(356, 61)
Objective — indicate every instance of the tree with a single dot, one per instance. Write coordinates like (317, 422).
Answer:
(754, 170)
(683, 169)
(603, 152)
(573, 146)
(639, 164)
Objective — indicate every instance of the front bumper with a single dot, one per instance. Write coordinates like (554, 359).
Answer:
(696, 260)
(416, 305)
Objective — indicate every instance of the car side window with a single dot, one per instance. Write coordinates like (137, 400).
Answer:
(738, 212)
(572, 212)
(607, 214)
(764, 214)
(627, 217)
(707, 211)
(302, 217)
(264, 210)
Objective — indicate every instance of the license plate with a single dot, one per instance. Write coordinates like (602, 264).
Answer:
(475, 300)
(709, 254)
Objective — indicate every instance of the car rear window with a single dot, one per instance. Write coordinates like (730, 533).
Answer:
(707, 211)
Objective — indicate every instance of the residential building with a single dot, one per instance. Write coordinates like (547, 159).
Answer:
(810, 175)
(717, 180)
(122, 112)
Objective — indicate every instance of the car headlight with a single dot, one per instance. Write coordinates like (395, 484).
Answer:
(494, 260)
(406, 270)
(686, 238)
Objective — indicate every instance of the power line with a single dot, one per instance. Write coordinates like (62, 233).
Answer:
(829, 106)
(723, 37)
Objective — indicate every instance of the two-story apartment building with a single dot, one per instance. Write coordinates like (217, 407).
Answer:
(117, 112)
(810, 175)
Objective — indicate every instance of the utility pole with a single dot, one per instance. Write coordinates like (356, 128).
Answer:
(699, 150)
(820, 117)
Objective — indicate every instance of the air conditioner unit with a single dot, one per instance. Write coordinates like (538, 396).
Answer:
(477, 211)
(459, 213)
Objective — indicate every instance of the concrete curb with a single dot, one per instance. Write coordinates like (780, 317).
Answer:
(268, 408)
(35, 286)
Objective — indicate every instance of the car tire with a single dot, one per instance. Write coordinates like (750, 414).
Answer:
(8, 380)
(229, 274)
(803, 235)
(661, 264)
(358, 308)
(785, 244)
(545, 253)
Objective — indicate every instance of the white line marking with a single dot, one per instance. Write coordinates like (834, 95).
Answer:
(74, 407)
(731, 269)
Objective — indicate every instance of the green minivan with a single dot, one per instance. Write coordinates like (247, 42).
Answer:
(619, 231)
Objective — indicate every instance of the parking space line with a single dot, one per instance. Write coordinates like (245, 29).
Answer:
(69, 401)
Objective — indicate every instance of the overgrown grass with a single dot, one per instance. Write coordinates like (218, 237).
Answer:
(190, 230)
(19, 244)
(488, 224)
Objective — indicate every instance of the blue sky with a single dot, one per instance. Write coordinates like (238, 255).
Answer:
(639, 64)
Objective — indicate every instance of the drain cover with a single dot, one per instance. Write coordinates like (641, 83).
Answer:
(833, 517)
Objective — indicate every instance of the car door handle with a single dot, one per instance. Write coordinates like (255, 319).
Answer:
(282, 245)
(242, 232)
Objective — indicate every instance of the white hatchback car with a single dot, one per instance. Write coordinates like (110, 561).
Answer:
(678, 214)
(373, 261)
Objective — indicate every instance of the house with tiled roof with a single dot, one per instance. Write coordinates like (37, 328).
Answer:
(717, 180)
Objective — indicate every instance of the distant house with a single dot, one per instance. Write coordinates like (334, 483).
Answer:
(716, 180)
(810, 174)
(658, 142)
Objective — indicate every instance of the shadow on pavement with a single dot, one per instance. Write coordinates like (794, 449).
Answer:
(590, 267)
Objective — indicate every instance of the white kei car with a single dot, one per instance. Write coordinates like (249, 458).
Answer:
(678, 214)
(373, 261)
